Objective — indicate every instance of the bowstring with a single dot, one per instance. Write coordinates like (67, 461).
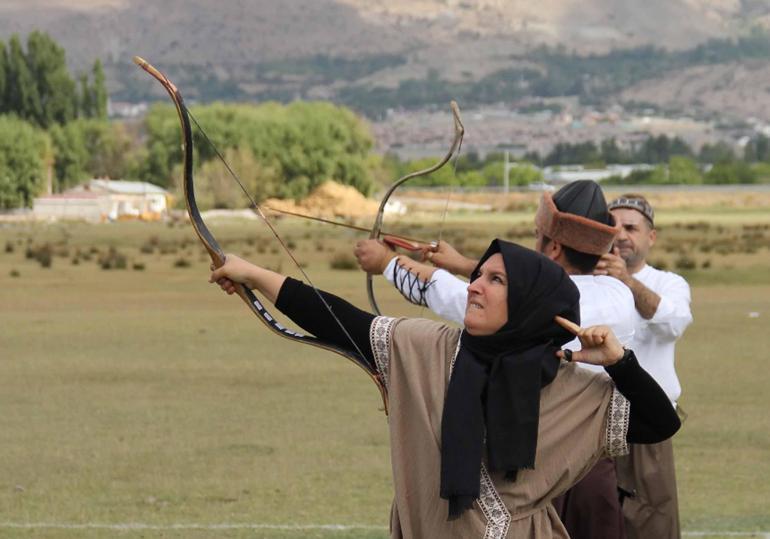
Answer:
(451, 188)
(257, 210)
(455, 159)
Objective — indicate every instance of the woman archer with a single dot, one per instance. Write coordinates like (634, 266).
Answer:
(487, 424)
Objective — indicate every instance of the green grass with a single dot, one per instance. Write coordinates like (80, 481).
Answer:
(151, 397)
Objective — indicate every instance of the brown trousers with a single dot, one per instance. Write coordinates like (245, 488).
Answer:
(591, 508)
(651, 510)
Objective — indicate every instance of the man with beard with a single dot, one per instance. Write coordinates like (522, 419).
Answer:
(574, 229)
(662, 302)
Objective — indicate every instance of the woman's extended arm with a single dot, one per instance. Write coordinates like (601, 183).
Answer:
(302, 304)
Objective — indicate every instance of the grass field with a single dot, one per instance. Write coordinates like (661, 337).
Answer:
(146, 396)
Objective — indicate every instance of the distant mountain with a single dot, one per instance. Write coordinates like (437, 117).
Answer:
(359, 51)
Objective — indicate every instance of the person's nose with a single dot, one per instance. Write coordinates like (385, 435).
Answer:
(475, 287)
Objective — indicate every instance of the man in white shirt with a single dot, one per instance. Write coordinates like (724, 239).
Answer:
(573, 228)
(662, 302)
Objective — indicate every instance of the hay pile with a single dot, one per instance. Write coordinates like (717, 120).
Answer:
(329, 200)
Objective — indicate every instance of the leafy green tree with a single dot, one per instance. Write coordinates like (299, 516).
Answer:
(442, 177)
(468, 161)
(22, 97)
(471, 178)
(23, 149)
(3, 78)
(88, 148)
(683, 170)
(731, 172)
(99, 91)
(55, 88)
(573, 154)
(658, 175)
(758, 149)
(611, 153)
(304, 143)
(720, 152)
(493, 172)
(107, 146)
(86, 104)
(214, 187)
(761, 172)
(523, 173)
(660, 149)
(70, 155)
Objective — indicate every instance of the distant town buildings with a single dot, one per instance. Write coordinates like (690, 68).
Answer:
(417, 134)
(100, 200)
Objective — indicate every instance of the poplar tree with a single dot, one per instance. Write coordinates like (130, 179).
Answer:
(21, 95)
(86, 99)
(3, 76)
(99, 91)
(55, 88)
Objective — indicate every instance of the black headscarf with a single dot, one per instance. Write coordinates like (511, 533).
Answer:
(496, 381)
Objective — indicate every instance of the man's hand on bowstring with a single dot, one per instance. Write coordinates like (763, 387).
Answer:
(444, 256)
(611, 264)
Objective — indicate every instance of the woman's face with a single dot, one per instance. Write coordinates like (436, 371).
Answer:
(487, 309)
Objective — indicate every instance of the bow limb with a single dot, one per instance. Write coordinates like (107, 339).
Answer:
(218, 256)
(459, 132)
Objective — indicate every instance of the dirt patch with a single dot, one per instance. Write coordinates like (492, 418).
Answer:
(329, 200)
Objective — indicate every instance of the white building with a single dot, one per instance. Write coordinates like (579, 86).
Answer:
(569, 173)
(100, 200)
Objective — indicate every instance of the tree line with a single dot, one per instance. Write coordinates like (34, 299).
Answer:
(49, 120)
(55, 130)
(676, 161)
(673, 160)
(51, 127)
(35, 84)
(277, 151)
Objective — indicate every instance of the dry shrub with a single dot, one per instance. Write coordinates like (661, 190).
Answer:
(113, 259)
(684, 263)
(43, 254)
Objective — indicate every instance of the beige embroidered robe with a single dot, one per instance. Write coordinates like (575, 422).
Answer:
(582, 418)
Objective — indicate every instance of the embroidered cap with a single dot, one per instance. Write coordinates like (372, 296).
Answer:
(634, 202)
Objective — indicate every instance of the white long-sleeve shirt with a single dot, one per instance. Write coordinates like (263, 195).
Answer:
(655, 339)
(603, 300)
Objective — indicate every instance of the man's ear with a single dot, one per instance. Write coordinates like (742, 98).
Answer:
(553, 250)
(653, 236)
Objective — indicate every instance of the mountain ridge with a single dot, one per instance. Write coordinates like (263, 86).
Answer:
(263, 49)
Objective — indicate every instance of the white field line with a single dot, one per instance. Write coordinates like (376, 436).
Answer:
(128, 526)
(757, 535)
